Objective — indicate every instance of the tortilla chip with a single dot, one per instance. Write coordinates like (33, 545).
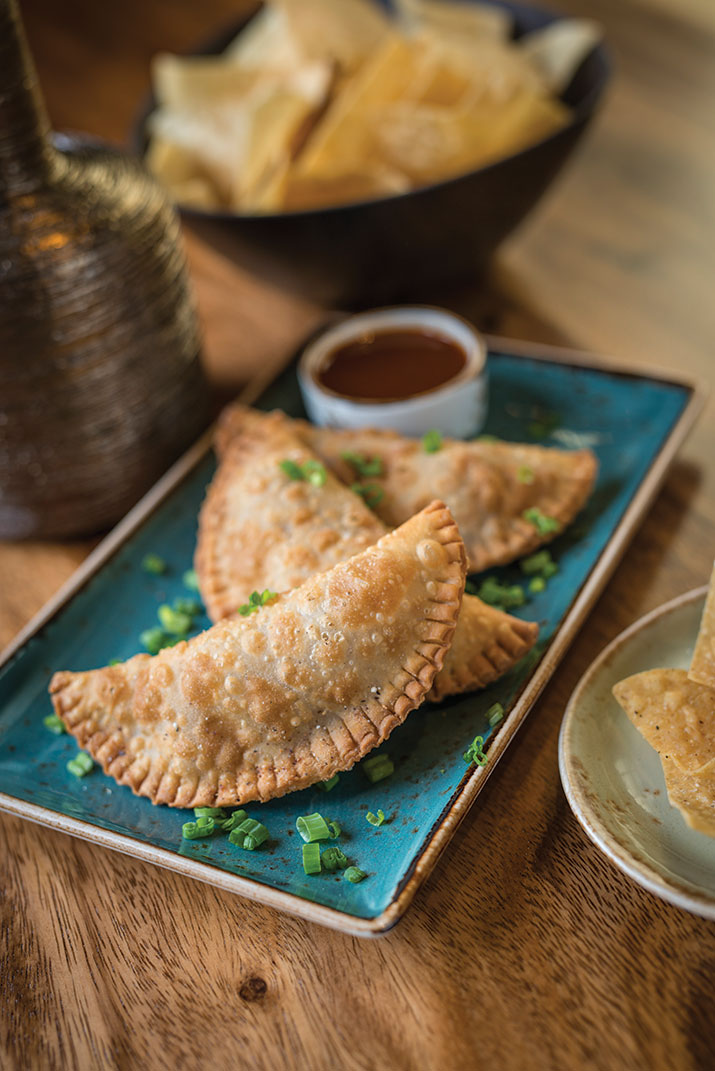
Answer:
(456, 19)
(693, 795)
(347, 31)
(266, 44)
(702, 667)
(675, 715)
(558, 50)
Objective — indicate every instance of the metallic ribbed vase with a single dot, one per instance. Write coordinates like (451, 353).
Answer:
(100, 382)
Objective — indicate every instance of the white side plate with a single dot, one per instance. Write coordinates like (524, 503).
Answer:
(613, 779)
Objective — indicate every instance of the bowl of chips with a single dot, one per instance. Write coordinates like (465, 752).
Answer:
(366, 152)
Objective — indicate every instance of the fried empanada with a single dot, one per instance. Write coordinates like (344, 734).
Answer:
(487, 485)
(674, 714)
(261, 529)
(702, 667)
(304, 687)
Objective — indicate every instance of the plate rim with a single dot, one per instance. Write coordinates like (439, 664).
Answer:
(596, 830)
(456, 808)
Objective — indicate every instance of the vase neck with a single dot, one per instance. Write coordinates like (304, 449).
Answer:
(25, 150)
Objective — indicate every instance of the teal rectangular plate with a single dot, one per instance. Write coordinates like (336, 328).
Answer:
(635, 423)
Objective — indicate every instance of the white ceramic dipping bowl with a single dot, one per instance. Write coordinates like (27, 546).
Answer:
(457, 408)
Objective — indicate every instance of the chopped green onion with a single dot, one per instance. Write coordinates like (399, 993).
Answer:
(81, 764)
(233, 821)
(549, 570)
(202, 827)
(377, 768)
(326, 786)
(363, 466)
(535, 563)
(312, 827)
(375, 819)
(475, 752)
(256, 600)
(432, 441)
(190, 580)
(355, 874)
(487, 439)
(250, 834)
(311, 858)
(372, 493)
(537, 584)
(311, 470)
(209, 812)
(524, 474)
(114, 661)
(153, 639)
(505, 596)
(543, 524)
(495, 714)
(332, 858)
(334, 830)
(543, 426)
(188, 606)
(172, 621)
(206, 824)
(54, 724)
(152, 563)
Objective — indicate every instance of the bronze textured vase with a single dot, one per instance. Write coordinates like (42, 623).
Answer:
(100, 382)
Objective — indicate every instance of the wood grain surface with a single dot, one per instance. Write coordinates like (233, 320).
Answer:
(526, 949)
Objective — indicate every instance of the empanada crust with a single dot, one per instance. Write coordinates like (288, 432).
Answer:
(259, 706)
(258, 529)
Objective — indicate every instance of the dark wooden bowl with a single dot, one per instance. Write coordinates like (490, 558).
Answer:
(403, 246)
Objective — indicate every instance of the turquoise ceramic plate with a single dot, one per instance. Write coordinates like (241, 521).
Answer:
(634, 423)
(613, 778)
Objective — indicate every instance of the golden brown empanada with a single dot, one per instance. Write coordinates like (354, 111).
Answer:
(674, 714)
(261, 705)
(259, 529)
(702, 667)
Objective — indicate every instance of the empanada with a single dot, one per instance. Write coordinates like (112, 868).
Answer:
(304, 687)
(260, 529)
(487, 485)
(702, 667)
(675, 715)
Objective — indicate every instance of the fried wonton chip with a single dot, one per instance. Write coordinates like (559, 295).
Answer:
(259, 529)
(674, 714)
(693, 795)
(304, 687)
(489, 485)
(702, 667)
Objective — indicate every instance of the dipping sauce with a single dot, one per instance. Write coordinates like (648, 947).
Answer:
(389, 365)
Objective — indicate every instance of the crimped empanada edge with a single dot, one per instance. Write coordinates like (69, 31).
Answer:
(514, 639)
(360, 730)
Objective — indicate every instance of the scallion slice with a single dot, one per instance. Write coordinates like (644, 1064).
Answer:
(311, 858)
(153, 639)
(54, 724)
(375, 819)
(209, 812)
(332, 858)
(152, 563)
(543, 524)
(364, 466)
(377, 768)
(535, 563)
(537, 584)
(172, 621)
(355, 874)
(233, 821)
(312, 827)
(334, 830)
(495, 714)
(81, 764)
(250, 834)
(475, 752)
(326, 786)
(190, 580)
(432, 441)
(525, 474)
(202, 827)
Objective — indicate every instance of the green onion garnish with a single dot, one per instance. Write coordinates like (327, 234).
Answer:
(311, 858)
(432, 441)
(233, 821)
(190, 580)
(544, 425)
(524, 474)
(54, 724)
(153, 639)
(177, 624)
(537, 584)
(191, 607)
(250, 834)
(311, 470)
(375, 819)
(535, 563)
(312, 827)
(549, 570)
(364, 466)
(152, 563)
(377, 768)
(475, 752)
(209, 812)
(334, 830)
(543, 524)
(487, 439)
(505, 596)
(355, 874)
(256, 600)
(372, 493)
(114, 661)
(326, 786)
(81, 764)
(202, 827)
(495, 714)
(333, 858)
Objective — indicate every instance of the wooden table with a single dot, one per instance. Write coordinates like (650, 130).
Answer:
(526, 949)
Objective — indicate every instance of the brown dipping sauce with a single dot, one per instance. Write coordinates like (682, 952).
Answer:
(390, 365)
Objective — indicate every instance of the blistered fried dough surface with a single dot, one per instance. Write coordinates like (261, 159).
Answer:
(675, 715)
(488, 486)
(702, 667)
(258, 530)
(259, 706)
